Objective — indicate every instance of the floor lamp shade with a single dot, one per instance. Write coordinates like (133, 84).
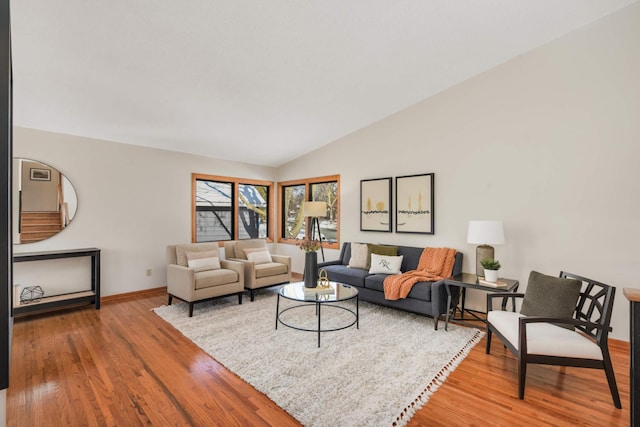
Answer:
(484, 234)
(315, 209)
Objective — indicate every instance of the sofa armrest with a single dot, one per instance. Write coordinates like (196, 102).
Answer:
(249, 271)
(181, 281)
(236, 266)
(282, 259)
(327, 263)
(438, 298)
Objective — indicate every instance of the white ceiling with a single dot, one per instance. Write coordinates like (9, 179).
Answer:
(259, 81)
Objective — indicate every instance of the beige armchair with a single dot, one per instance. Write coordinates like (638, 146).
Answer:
(260, 270)
(195, 273)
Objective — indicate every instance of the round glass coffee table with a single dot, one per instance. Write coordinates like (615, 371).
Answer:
(310, 296)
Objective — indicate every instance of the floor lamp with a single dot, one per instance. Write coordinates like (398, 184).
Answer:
(315, 210)
(484, 234)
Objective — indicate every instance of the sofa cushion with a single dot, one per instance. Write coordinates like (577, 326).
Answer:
(380, 250)
(258, 255)
(181, 251)
(349, 276)
(545, 338)
(241, 245)
(420, 291)
(359, 255)
(550, 296)
(383, 264)
(203, 260)
(411, 257)
(270, 269)
(209, 278)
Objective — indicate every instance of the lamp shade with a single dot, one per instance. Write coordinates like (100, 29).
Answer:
(315, 209)
(485, 233)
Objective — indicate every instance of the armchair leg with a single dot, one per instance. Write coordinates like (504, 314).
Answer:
(488, 338)
(251, 294)
(240, 298)
(190, 309)
(522, 374)
(435, 323)
(611, 378)
(170, 299)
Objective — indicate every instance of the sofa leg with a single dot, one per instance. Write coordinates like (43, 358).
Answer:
(240, 298)
(190, 309)
(251, 294)
(170, 299)
(435, 323)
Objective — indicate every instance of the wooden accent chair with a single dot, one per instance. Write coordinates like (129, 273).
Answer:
(195, 273)
(261, 268)
(579, 340)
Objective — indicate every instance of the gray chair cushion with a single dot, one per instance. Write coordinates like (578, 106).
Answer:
(549, 296)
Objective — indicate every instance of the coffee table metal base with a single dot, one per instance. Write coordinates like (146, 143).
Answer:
(318, 329)
(319, 308)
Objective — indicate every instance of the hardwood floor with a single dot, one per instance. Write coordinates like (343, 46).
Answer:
(124, 366)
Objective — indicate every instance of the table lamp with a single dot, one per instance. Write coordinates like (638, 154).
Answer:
(315, 210)
(485, 234)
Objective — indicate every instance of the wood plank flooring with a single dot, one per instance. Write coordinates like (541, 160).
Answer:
(124, 366)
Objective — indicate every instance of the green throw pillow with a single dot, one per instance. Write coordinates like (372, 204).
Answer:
(380, 250)
(550, 296)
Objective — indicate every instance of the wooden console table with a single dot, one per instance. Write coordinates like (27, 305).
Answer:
(50, 302)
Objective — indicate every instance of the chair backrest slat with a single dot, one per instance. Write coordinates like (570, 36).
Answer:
(594, 305)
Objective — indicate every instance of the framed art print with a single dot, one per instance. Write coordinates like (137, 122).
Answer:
(40, 174)
(414, 204)
(375, 204)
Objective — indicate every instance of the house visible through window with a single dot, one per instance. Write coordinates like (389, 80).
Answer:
(230, 208)
(294, 225)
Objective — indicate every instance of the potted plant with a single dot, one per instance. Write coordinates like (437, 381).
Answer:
(491, 267)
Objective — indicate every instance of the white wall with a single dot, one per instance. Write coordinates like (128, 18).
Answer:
(548, 142)
(132, 202)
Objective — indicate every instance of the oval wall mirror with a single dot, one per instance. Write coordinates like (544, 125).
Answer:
(44, 201)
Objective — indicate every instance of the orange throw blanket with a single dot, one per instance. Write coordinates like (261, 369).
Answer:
(435, 264)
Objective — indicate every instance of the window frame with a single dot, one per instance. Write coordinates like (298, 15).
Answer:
(235, 205)
(307, 182)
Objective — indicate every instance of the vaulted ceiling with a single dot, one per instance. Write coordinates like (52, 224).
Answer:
(262, 82)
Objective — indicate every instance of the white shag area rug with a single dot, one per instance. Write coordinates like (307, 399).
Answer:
(378, 375)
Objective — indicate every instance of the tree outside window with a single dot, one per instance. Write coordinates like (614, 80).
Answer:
(327, 192)
(293, 224)
(214, 219)
(293, 197)
(253, 213)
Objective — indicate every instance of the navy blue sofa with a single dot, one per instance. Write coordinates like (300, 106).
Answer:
(427, 298)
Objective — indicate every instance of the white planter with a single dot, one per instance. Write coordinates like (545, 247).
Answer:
(491, 275)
